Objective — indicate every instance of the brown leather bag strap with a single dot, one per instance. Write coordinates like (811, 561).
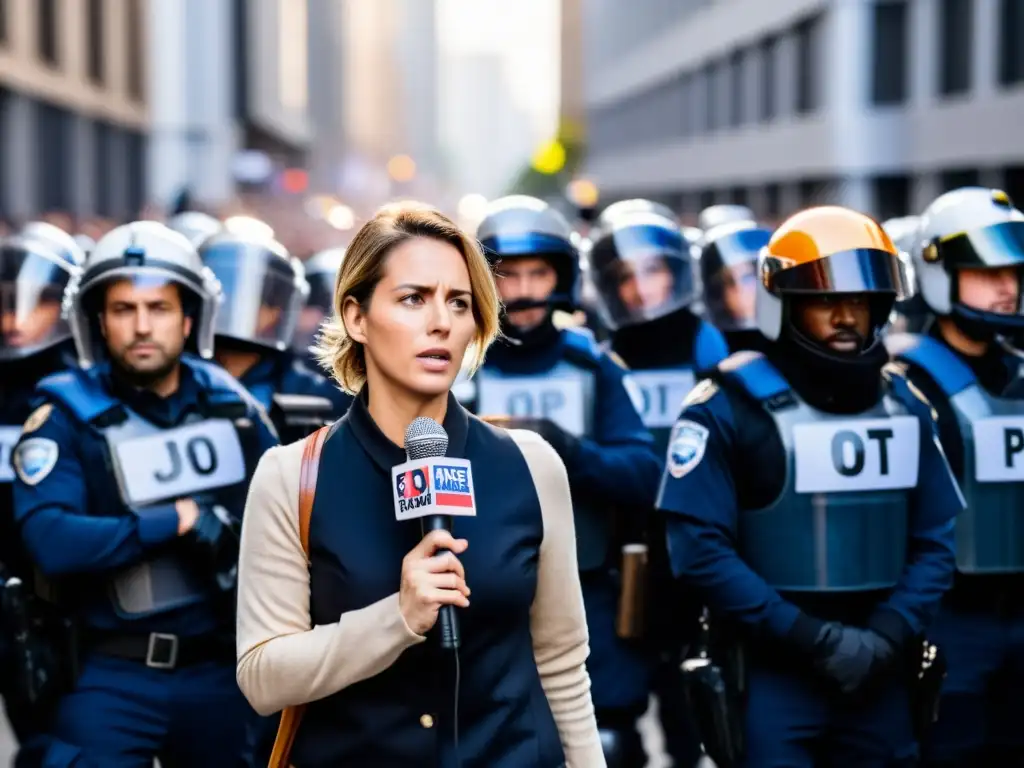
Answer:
(291, 717)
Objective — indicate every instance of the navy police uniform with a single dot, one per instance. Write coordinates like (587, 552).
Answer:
(284, 373)
(981, 625)
(808, 502)
(777, 512)
(94, 501)
(977, 398)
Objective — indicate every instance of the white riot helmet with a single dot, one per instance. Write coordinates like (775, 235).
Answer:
(968, 228)
(56, 238)
(195, 225)
(716, 215)
(264, 287)
(141, 250)
(902, 230)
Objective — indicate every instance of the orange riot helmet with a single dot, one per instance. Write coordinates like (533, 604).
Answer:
(828, 250)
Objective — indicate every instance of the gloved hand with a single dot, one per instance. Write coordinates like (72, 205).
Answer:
(851, 657)
(565, 444)
(213, 544)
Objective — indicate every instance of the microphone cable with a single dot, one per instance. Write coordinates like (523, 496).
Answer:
(455, 709)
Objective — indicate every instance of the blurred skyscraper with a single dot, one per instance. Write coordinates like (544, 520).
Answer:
(879, 105)
(73, 107)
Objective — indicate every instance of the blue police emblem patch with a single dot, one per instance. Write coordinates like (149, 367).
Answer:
(686, 447)
(35, 458)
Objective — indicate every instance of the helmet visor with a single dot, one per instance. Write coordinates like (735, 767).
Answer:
(32, 287)
(729, 274)
(259, 304)
(862, 270)
(641, 274)
(999, 245)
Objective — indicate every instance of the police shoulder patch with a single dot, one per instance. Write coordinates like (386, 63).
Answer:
(35, 458)
(704, 391)
(686, 447)
(37, 418)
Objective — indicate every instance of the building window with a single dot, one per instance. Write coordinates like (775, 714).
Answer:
(807, 96)
(1013, 183)
(956, 46)
(1011, 32)
(690, 123)
(892, 196)
(738, 196)
(959, 177)
(708, 76)
(95, 19)
(135, 158)
(53, 158)
(46, 30)
(772, 201)
(891, 53)
(136, 43)
(769, 57)
(737, 92)
(292, 53)
(707, 198)
(3, 22)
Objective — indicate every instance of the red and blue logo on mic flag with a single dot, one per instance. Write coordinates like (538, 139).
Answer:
(412, 483)
(452, 486)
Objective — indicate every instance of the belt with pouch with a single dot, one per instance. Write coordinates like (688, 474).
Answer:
(162, 650)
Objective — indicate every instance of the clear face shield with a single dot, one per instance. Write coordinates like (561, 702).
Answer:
(641, 274)
(263, 295)
(317, 310)
(32, 283)
(729, 277)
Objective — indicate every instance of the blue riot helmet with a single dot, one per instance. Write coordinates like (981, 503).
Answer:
(33, 278)
(518, 227)
(728, 273)
(144, 251)
(640, 264)
(264, 290)
(969, 228)
(321, 273)
(195, 225)
(57, 239)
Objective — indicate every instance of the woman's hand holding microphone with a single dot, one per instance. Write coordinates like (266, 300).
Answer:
(430, 580)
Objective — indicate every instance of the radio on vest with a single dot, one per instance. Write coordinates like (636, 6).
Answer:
(433, 488)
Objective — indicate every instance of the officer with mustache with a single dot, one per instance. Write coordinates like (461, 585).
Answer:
(810, 506)
(968, 254)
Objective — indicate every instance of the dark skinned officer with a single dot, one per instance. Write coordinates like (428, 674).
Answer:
(809, 503)
(968, 254)
(130, 484)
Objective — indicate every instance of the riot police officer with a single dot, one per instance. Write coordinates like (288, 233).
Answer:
(321, 273)
(264, 291)
(968, 256)
(195, 225)
(35, 341)
(810, 505)
(644, 273)
(564, 386)
(131, 476)
(728, 266)
(912, 313)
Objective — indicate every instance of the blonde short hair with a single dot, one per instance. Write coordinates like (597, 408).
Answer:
(363, 268)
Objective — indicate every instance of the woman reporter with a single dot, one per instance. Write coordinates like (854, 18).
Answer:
(348, 632)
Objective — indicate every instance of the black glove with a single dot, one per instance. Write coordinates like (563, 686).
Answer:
(213, 544)
(565, 445)
(851, 657)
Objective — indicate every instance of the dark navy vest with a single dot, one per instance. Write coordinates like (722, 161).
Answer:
(150, 465)
(404, 716)
(840, 523)
(658, 393)
(990, 532)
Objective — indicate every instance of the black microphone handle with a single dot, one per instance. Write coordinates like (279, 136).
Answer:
(450, 637)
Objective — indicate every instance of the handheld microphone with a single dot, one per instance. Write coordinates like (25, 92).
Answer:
(433, 488)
